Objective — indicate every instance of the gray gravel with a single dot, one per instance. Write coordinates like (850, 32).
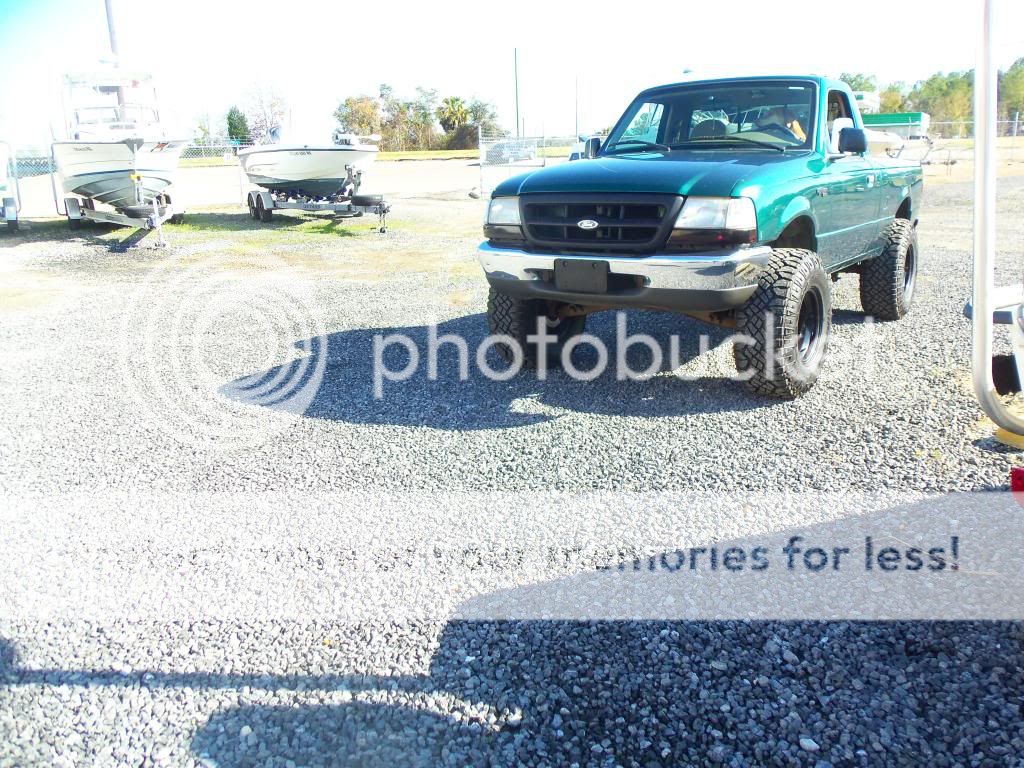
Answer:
(223, 691)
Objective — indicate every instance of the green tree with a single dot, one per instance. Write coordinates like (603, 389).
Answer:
(359, 115)
(1011, 90)
(238, 125)
(452, 114)
(893, 98)
(483, 115)
(859, 82)
(946, 97)
(422, 110)
(203, 132)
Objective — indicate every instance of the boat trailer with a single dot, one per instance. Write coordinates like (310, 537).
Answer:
(143, 215)
(346, 204)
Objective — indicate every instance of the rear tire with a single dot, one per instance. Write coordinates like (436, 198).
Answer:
(789, 318)
(518, 318)
(887, 281)
(262, 211)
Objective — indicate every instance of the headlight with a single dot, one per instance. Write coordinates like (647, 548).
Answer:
(503, 211)
(717, 213)
(714, 222)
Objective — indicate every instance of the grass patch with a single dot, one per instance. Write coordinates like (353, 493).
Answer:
(432, 154)
(207, 162)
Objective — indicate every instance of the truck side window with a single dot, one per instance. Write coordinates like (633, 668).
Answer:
(838, 106)
(645, 124)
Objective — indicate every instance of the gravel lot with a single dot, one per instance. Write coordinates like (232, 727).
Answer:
(131, 376)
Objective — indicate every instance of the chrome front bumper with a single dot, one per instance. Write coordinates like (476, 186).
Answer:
(695, 282)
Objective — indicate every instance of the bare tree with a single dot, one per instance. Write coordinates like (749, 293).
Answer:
(266, 110)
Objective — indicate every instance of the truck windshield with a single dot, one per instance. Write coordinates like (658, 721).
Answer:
(742, 115)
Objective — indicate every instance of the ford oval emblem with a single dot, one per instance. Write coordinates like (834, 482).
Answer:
(587, 224)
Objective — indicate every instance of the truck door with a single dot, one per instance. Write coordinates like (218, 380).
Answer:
(850, 186)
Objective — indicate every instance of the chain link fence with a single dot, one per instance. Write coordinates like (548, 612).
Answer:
(503, 156)
(200, 154)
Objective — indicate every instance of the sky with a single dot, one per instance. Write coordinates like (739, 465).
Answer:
(209, 55)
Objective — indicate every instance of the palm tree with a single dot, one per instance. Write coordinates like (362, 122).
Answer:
(452, 113)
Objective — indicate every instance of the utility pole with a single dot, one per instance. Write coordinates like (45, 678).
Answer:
(1016, 123)
(515, 61)
(113, 47)
(110, 29)
(577, 106)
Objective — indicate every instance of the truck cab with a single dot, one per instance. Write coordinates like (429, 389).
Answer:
(704, 199)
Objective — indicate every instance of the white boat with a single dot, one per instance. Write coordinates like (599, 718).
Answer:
(884, 142)
(309, 170)
(116, 151)
(9, 198)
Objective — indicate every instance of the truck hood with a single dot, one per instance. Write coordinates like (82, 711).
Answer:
(713, 174)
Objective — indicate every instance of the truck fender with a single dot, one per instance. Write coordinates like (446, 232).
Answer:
(799, 206)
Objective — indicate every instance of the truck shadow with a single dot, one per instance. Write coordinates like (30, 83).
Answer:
(476, 402)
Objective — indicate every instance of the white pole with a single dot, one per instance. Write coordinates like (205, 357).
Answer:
(985, 79)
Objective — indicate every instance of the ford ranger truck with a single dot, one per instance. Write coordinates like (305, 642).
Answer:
(733, 201)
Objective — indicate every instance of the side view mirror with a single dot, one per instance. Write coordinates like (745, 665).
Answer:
(591, 147)
(853, 140)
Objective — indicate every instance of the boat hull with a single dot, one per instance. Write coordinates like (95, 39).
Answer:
(103, 171)
(6, 188)
(303, 171)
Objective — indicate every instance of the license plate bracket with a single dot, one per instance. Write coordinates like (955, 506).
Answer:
(581, 275)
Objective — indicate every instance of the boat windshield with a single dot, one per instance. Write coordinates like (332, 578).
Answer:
(135, 114)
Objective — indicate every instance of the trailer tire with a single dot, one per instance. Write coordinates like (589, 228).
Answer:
(789, 319)
(75, 223)
(12, 225)
(178, 218)
(367, 201)
(887, 281)
(262, 211)
(251, 201)
(518, 318)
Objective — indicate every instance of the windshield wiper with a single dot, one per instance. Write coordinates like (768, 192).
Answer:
(728, 139)
(649, 145)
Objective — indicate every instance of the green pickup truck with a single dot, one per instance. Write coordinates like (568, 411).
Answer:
(731, 200)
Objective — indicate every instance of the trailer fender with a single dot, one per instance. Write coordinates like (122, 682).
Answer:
(267, 198)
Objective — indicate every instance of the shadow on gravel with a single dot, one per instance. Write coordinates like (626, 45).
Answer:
(448, 403)
(634, 693)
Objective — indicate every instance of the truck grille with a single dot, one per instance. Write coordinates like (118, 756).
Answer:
(636, 223)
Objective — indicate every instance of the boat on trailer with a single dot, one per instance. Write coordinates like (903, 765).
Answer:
(312, 177)
(9, 197)
(117, 152)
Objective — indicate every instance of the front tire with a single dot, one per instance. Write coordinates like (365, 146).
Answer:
(887, 281)
(789, 319)
(518, 319)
